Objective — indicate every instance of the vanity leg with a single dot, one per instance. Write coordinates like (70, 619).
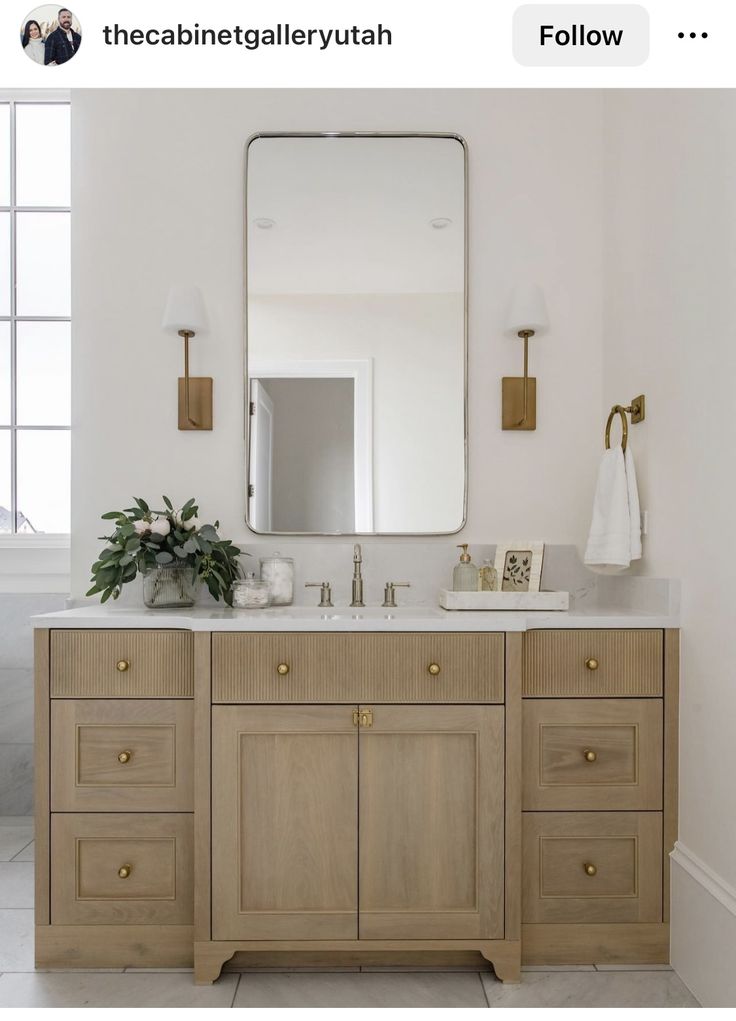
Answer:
(505, 958)
(208, 962)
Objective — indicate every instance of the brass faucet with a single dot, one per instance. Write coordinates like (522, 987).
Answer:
(357, 577)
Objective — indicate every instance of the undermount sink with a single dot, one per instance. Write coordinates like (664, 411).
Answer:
(347, 613)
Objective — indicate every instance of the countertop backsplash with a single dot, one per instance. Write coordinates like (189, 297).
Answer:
(428, 568)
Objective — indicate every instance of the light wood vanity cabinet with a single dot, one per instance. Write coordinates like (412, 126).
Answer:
(114, 798)
(384, 797)
(599, 795)
(346, 831)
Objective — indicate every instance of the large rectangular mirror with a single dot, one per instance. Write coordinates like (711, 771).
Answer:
(356, 306)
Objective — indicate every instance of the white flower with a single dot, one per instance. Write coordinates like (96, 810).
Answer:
(141, 526)
(160, 526)
(183, 525)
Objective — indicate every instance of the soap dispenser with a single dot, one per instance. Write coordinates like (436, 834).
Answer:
(465, 575)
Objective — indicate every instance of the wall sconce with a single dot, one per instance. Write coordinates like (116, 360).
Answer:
(527, 317)
(186, 316)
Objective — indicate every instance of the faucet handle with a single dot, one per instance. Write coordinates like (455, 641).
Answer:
(325, 595)
(389, 595)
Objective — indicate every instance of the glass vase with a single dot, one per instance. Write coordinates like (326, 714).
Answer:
(169, 585)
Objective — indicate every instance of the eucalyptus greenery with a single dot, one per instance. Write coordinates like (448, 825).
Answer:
(144, 539)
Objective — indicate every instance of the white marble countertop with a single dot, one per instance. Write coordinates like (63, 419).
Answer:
(303, 618)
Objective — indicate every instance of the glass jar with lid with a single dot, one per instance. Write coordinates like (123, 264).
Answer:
(251, 594)
(278, 571)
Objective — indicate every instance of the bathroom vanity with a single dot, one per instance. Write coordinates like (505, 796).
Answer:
(298, 787)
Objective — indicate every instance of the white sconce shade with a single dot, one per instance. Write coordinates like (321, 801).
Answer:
(527, 310)
(185, 310)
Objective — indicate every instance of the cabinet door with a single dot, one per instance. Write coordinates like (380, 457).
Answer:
(284, 822)
(432, 823)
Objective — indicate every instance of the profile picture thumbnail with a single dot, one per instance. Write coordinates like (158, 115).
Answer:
(50, 35)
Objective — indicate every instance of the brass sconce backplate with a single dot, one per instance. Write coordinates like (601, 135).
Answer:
(512, 406)
(200, 403)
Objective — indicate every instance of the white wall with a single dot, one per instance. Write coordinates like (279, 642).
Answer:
(669, 333)
(158, 197)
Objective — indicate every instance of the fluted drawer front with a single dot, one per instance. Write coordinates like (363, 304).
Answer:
(122, 664)
(121, 869)
(592, 754)
(592, 664)
(122, 755)
(408, 667)
(592, 867)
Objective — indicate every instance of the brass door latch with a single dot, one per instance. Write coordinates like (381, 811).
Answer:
(362, 717)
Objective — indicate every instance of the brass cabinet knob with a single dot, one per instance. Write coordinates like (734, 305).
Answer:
(590, 869)
(434, 669)
(122, 665)
(283, 669)
(124, 757)
(589, 755)
(124, 871)
(592, 664)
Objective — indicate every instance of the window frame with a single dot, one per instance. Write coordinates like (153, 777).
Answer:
(15, 539)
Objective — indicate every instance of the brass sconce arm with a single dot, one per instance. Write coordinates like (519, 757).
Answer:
(185, 316)
(195, 393)
(187, 335)
(520, 393)
(525, 335)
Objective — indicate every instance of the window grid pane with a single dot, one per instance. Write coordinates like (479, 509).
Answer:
(42, 129)
(4, 375)
(6, 521)
(4, 154)
(42, 255)
(43, 370)
(35, 328)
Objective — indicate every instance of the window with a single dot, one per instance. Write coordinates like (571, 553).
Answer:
(35, 317)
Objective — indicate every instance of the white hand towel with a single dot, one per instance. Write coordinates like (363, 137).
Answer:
(609, 540)
(634, 512)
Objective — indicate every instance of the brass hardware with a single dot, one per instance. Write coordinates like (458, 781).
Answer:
(357, 599)
(283, 669)
(434, 669)
(325, 595)
(124, 871)
(125, 757)
(122, 665)
(592, 664)
(519, 394)
(589, 755)
(389, 595)
(356, 718)
(366, 717)
(195, 394)
(637, 410)
(590, 869)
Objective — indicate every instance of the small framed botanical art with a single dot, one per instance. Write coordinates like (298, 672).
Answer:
(519, 566)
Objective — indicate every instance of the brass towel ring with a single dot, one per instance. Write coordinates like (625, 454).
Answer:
(617, 410)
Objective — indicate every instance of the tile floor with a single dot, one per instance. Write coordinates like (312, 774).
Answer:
(21, 986)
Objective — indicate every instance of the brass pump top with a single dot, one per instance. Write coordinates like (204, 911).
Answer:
(464, 556)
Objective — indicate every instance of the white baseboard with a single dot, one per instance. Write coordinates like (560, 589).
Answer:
(703, 929)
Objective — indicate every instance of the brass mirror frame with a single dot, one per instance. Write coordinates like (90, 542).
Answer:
(246, 379)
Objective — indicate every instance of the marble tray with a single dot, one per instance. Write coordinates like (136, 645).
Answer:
(504, 600)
